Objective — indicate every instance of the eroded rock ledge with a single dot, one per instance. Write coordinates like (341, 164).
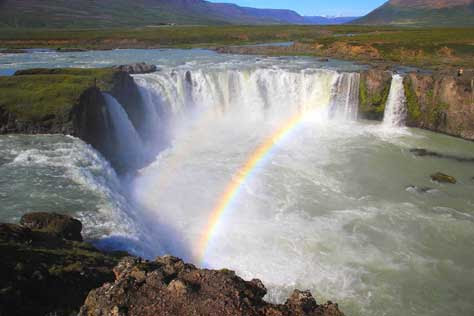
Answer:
(168, 286)
(48, 270)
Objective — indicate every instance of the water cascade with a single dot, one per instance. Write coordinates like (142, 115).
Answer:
(395, 109)
(127, 143)
(345, 99)
(250, 95)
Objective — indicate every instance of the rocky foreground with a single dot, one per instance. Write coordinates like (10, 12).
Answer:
(48, 270)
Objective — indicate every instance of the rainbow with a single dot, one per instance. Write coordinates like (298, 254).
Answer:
(233, 189)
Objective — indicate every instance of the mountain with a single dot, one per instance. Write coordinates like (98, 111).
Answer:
(422, 12)
(137, 13)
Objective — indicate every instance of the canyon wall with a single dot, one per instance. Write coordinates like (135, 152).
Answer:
(441, 102)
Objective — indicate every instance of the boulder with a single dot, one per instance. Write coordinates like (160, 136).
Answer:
(138, 68)
(62, 226)
(168, 286)
(443, 178)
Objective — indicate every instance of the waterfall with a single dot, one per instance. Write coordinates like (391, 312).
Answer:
(249, 94)
(345, 98)
(128, 146)
(395, 109)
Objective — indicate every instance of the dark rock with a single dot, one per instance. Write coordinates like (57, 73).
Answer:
(443, 178)
(61, 225)
(421, 152)
(45, 274)
(323, 59)
(70, 50)
(138, 68)
(13, 51)
(168, 286)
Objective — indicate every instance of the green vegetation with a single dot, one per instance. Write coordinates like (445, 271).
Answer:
(45, 94)
(372, 106)
(413, 106)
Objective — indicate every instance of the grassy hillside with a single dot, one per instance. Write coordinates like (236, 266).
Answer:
(419, 14)
(139, 13)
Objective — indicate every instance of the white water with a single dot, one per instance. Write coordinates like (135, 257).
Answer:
(395, 109)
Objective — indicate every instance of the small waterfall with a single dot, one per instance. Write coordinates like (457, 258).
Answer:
(395, 109)
(345, 97)
(128, 146)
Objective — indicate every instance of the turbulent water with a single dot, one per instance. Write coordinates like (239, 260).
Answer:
(338, 206)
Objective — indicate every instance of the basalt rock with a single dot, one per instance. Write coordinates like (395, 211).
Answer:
(62, 226)
(373, 93)
(441, 102)
(168, 286)
(137, 68)
(44, 273)
(443, 178)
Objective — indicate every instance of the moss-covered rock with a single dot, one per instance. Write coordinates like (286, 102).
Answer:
(373, 93)
(443, 178)
(441, 102)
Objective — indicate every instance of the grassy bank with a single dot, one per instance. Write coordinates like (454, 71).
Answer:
(48, 94)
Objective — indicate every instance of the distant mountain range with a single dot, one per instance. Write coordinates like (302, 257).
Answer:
(422, 12)
(136, 13)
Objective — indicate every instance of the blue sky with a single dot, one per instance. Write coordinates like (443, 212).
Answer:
(314, 7)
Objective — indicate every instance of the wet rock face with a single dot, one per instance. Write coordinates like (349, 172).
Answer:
(441, 102)
(373, 93)
(168, 286)
(62, 226)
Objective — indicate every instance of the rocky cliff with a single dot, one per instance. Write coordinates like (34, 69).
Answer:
(441, 102)
(48, 270)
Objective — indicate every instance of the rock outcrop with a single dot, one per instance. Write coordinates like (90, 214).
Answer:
(137, 68)
(373, 93)
(168, 286)
(443, 178)
(62, 226)
(441, 102)
(45, 270)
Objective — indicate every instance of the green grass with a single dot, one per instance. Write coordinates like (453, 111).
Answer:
(43, 94)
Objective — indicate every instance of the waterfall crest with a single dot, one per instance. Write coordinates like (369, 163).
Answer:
(250, 94)
(395, 109)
